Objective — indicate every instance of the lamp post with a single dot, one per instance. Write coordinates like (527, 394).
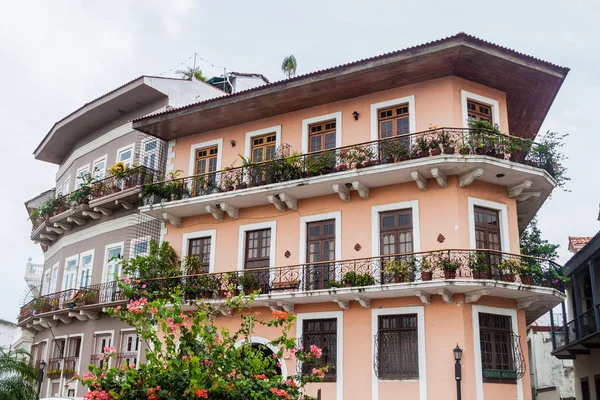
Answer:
(41, 376)
(457, 371)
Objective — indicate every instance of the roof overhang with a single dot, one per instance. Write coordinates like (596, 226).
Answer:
(530, 86)
(589, 252)
(57, 143)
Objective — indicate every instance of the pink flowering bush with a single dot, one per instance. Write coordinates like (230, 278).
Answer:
(188, 357)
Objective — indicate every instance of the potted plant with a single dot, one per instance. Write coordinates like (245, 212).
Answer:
(249, 282)
(364, 280)
(463, 150)
(449, 265)
(478, 265)
(508, 267)
(426, 269)
(151, 194)
(228, 183)
(119, 171)
(349, 279)
(447, 143)
(334, 284)
(530, 271)
(422, 147)
(434, 145)
(231, 283)
(53, 373)
(209, 284)
(403, 269)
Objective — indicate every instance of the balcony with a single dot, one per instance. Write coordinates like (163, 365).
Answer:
(535, 284)
(578, 336)
(519, 164)
(64, 367)
(90, 202)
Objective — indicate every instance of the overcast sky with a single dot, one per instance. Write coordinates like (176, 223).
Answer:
(56, 55)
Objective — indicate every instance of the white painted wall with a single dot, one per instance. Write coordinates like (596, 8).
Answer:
(547, 370)
(7, 333)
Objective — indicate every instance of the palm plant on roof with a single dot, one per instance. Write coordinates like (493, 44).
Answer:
(190, 72)
(289, 65)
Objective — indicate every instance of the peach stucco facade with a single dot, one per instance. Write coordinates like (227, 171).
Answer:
(439, 211)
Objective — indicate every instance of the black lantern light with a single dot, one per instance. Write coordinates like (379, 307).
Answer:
(355, 115)
(457, 369)
(41, 376)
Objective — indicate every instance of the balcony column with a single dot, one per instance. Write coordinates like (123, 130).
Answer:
(552, 329)
(577, 304)
(565, 328)
(594, 293)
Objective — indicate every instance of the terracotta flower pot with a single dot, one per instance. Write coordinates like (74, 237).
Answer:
(450, 274)
(401, 279)
(508, 277)
(449, 150)
(526, 280)
(478, 275)
(426, 275)
(436, 151)
(423, 154)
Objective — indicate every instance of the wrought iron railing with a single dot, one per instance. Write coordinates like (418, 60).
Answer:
(575, 329)
(137, 176)
(396, 149)
(54, 368)
(127, 358)
(69, 367)
(372, 271)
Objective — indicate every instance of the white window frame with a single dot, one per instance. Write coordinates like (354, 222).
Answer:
(81, 269)
(121, 245)
(339, 315)
(212, 234)
(204, 145)
(419, 310)
(46, 282)
(502, 216)
(120, 348)
(375, 228)
(249, 135)
(66, 270)
(112, 341)
(255, 227)
(66, 185)
(53, 278)
(102, 174)
(510, 312)
(304, 221)
(135, 241)
(80, 171)
(155, 151)
(464, 96)
(375, 107)
(337, 116)
(124, 149)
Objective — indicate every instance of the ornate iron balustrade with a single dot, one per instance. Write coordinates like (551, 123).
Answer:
(285, 168)
(127, 358)
(69, 367)
(54, 368)
(137, 176)
(372, 271)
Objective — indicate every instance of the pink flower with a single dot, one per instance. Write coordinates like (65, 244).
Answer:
(315, 351)
(318, 372)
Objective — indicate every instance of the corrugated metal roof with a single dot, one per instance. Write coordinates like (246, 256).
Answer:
(460, 35)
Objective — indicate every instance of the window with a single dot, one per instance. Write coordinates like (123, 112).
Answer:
(323, 334)
(53, 279)
(397, 347)
(46, 282)
(498, 348)
(321, 136)
(140, 247)
(479, 111)
(85, 271)
(128, 352)
(200, 248)
(81, 172)
(487, 229)
(74, 347)
(585, 389)
(66, 186)
(70, 273)
(150, 154)
(59, 348)
(99, 170)
(206, 160)
(125, 155)
(113, 263)
(264, 147)
(101, 340)
(396, 232)
(394, 121)
(320, 246)
(597, 384)
(258, 249)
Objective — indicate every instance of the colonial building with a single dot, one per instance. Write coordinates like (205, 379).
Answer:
(380, 201)
(88, 222)
(579, 338)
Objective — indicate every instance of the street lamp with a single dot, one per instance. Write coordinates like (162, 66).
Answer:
(457, 371)
(41, 376)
